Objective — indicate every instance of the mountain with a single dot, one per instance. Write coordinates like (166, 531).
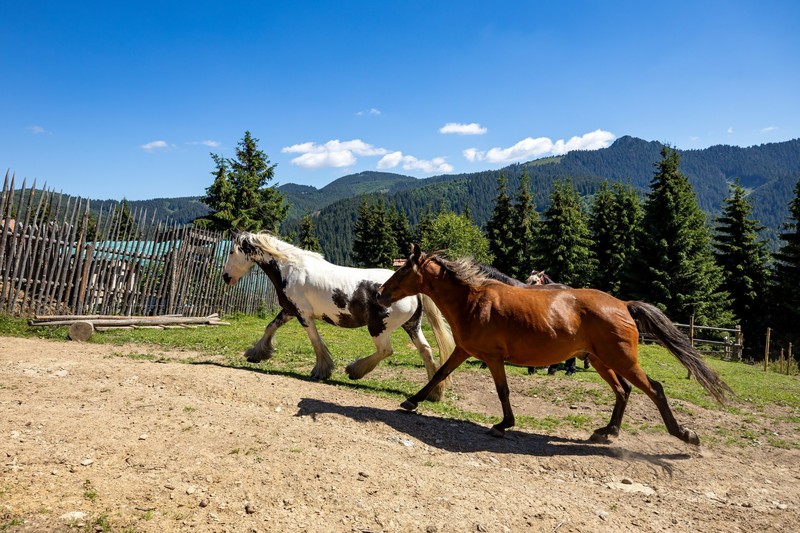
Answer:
(768, 171)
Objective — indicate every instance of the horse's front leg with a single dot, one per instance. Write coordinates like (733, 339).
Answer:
(324, 367)
(454, 361)
(264, 348)
(498, 370)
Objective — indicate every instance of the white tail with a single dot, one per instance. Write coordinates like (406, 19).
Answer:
(440, 327)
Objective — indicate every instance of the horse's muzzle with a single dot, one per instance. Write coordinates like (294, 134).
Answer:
(383, 298)
(228, 279)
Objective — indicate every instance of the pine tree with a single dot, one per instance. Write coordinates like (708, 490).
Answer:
(743, 258)
(787, 276)
(122, 223)
(374, 245)
(240, 197)
(614, 219)
(500, 228)
(308, 237)
(674, 267)
(422, 230)
(526, 222)
(401, 231)
(564, 240)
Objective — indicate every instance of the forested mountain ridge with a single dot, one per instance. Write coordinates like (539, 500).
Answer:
(768, 171)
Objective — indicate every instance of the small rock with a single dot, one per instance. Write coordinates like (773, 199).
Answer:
(87, 461)
(363, 475)
(481, 527)
(143, 436)
(627, 481)
(249, 508)
(782, 506)
(204, 502)
(169, 486)
(73, 516)
(431, 529)
(191, 489)
(602, 514)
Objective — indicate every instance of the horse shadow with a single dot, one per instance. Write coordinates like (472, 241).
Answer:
(468, 437)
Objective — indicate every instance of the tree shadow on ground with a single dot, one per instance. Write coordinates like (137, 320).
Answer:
(468, 437)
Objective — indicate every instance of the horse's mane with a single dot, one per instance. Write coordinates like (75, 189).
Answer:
(466, 270)
(270, 244)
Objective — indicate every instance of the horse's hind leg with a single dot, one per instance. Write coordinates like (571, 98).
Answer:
(655, 391)
(383, 349)
(324, 366)
(622, 390)
(264, 348)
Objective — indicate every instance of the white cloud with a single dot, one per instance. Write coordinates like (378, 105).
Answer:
(372, 111)
(730, 130)
(409, 162)
(209, 143)
(472, 128)
(331, 154)
(156, 145)
(768, 129)
(36, 130)
(530, 148)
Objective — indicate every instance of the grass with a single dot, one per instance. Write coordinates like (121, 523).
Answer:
(755, 389)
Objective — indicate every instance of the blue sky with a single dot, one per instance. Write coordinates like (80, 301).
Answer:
(128, 99)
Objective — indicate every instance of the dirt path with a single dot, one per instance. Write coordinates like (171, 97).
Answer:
(101, 438)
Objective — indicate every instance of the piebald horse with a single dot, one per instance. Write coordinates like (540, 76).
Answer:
(309, 288)
(498, 323)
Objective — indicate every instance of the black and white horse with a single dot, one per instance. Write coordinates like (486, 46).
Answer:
(309, 288)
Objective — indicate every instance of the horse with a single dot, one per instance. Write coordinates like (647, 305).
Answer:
(498, 323)
(309, 288)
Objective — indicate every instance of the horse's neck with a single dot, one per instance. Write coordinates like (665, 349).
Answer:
(450, 296)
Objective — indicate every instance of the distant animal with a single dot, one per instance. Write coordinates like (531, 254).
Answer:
(309, 288)
(498, 323)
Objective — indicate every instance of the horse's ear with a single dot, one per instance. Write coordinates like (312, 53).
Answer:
(416, 252)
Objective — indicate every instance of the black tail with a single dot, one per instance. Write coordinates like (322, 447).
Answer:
(653, 322)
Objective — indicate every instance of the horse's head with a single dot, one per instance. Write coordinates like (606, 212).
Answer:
(536, 278)
(240, 259)
(406, 281)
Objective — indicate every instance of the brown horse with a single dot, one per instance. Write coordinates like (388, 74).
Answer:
(498, 323)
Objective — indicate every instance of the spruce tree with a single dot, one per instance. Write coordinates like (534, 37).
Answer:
(564, 240)
(401, 231)
(526, 221)
(500, 228)
(743, 258)
(674, 267)
(614, 219)
(422, 230)
(122, 223)
(374, 245)
(787, 277)
(308, 237)
(240, 197)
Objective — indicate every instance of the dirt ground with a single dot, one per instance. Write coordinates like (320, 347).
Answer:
(100, 438)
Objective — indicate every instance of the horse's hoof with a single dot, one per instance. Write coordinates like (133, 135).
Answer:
(254, 355)
(603, 435)
(690, 436)
(317, 375)
(351, 371)
(408, 406)
(496, 432)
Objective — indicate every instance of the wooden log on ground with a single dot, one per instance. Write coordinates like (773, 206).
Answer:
(125, 321)
(81, 331)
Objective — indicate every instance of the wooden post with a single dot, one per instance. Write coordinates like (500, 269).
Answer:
(780, 362)
(691, 330)
(766, 350)
(739, 343)
(789, 359)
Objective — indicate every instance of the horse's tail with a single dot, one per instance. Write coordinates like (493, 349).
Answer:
(441, 329)
(653, 322)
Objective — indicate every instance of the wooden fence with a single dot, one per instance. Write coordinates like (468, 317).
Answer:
(56, 258)
(728, 345)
